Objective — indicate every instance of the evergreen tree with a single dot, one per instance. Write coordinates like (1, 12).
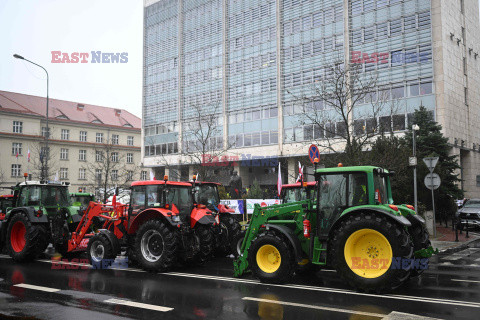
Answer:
(255, 191)
(430, 142)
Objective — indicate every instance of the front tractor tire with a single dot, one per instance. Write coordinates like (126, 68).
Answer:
(204, 237)
(25, 241)
(156, 246)
(421, 240)
(362, 251)
(229, 232)
(271, 258)
(101, 251)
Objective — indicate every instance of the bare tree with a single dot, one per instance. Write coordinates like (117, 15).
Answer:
(38, 157)
(338, 122)
(109, 169)
(203, 142)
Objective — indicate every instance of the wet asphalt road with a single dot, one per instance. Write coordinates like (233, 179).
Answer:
(450, 289)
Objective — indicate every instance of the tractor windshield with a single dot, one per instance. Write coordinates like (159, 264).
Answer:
(48, 196)
(181, 197)
(81, 200)
(207, 194)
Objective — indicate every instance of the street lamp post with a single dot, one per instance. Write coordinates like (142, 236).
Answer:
(414, 129)
(44, 170)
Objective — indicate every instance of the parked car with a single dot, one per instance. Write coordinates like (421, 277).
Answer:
(469, 213)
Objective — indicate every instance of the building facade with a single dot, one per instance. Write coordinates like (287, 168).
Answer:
(248, 61)
(78, 134)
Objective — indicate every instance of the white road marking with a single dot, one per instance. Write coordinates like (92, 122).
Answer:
(321, 289)
(138, 305)
(31, 286)
(452, 258)
(330, 290)
(462, 280)
(368, 314)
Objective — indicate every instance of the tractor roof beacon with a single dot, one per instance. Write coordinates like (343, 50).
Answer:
(352, 225)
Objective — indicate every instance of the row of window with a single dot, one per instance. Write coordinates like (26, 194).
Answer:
(162, 66)
(421, 54)
(203, 54)
(392, 28)
(313, 48)
(252, 14)
(203, 98)
(203, 76)
(161, 128)
(383, 124)
(253, 63)
(360, 6)
(159, 87)
(214, 28)
(315, 20)
(65, 134)
(252, 88)
(253, 139)
(257, 113)
(212, 144)
(207, 8)
(253, 38)
(161, 149)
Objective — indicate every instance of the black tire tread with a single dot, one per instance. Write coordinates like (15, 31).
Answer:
(206, 239)
(108, 246)
(36, 238)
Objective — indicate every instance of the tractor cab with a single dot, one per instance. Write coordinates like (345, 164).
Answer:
(206, 193)
(297, 192)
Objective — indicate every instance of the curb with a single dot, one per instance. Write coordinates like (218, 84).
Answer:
(458, 248)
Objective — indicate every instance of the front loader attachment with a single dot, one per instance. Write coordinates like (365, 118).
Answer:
(260, 216)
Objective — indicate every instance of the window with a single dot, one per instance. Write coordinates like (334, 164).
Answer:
(82, 155)
(63, 154)
(99, 137)
(114, 175)
(129, 175)
(16, 168)
(425, 86)
(44, 132)
(16, 149)
(114, 138)
(63, 173)
(65, 135)
(98, 156)
(398, 121)
(129, 157)
(81, 174)
(413, 89)
(83, 136)
(17, 126)
(395, 27)
(398, 91)
(410, 23)
(369, 34)
(397, 58)
(114, 156)
(130, 141)
(143, 175)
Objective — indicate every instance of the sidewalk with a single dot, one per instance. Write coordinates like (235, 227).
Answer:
(445, 240)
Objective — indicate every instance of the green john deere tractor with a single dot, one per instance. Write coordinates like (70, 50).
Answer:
(374, 245)
(41, 214)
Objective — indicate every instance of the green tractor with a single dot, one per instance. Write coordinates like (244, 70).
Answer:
(41, 214)
(374, 245)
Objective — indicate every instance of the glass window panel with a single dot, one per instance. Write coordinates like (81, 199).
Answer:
(398, 91)
(273, 137)
(425, 87)
(398, 122)
(247, 140)
(265, 137)
(413, 89)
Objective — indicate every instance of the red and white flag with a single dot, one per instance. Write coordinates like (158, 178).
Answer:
(300, 173)
(16, 156)
(279, 181)
(28, 155)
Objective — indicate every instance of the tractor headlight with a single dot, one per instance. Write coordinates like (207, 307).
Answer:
(176, 218)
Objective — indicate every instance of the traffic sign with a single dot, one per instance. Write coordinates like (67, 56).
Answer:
(313, 153)
(431, 162)
(432, 181)
(412, 161)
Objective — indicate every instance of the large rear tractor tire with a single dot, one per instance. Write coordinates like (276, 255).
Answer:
(230, 230)
(156, 246)
(101, 251)
(421, 240)
(271, 258)
(368, 252)
(205, 239)
(25, 241)
(237, 244)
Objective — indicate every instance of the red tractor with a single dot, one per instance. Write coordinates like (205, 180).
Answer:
(228, 229)
(298, 192)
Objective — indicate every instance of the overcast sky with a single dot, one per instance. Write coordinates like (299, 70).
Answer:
(35, 28)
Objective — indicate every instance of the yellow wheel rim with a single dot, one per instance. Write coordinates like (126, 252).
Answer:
(303, 262)
(368, 253)
(268, 258)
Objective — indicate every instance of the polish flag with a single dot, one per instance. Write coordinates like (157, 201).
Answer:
(152, 176)
(28, 155)
(300, 173)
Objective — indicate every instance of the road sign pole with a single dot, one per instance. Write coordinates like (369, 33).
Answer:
(433, 205)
